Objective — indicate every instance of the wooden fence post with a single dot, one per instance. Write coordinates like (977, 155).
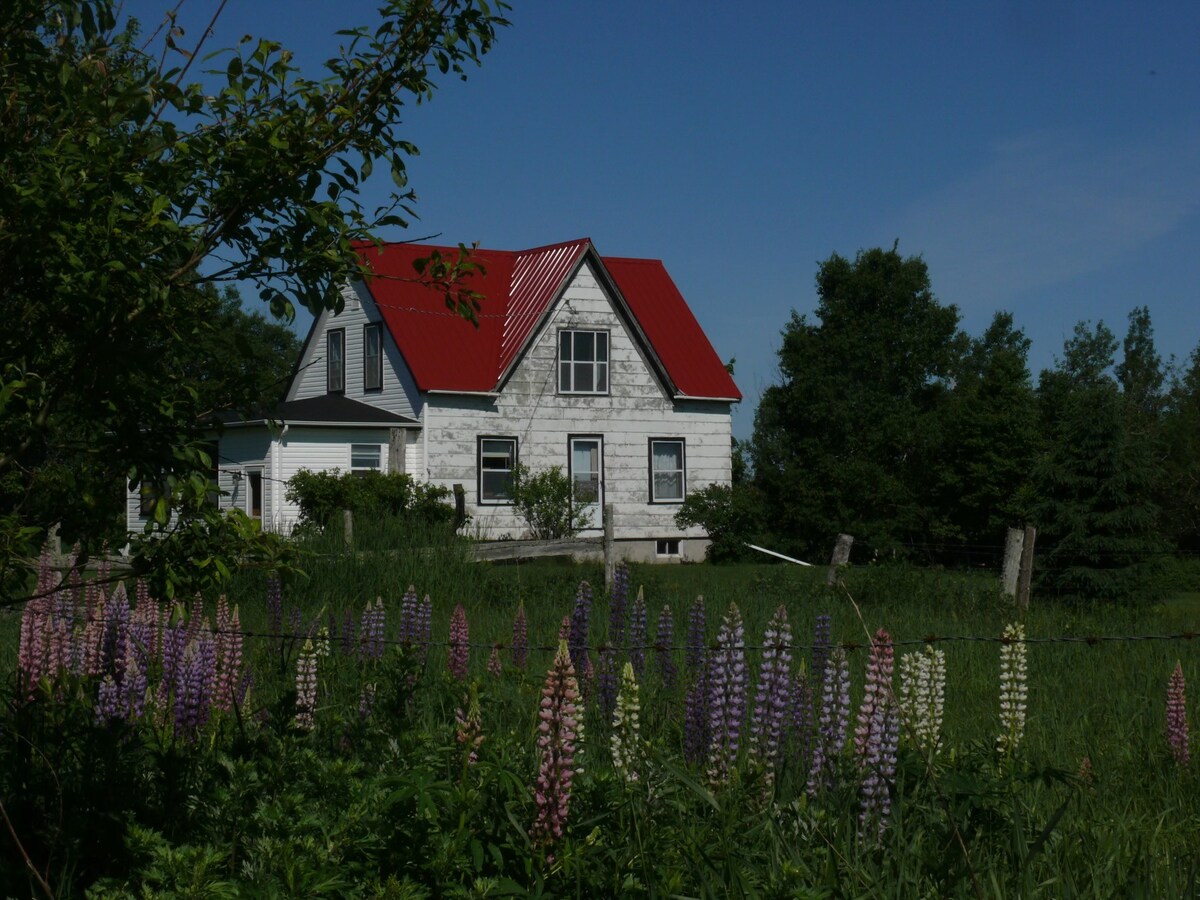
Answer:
(348, 528)
(460, 506)
(610, 562)
(841, 556)
(1026, 576)
(1012, 561)
(397, 443)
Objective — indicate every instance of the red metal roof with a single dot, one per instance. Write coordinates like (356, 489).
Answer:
(446, 353)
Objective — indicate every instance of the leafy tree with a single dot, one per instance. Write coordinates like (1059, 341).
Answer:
(990, 437)
(730, 514)
(125, 188)
(846, 440)
(1097, 519)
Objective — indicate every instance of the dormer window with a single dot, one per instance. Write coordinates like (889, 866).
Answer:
(583, 362)
(373, 357)
(335, 361)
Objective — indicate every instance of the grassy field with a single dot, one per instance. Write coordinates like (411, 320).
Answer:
(1091, 805)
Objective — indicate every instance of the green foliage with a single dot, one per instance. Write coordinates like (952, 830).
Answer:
(547, 502)
(127, 190)
(730, 514)
(322, 496)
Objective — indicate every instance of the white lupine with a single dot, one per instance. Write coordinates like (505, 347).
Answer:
(1013, 689)
(923, 695)
(626, 741)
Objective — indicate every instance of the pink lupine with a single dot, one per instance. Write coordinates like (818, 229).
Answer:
(878, 690)
(229, 657)
(306, 687)
(876, 737)
(469, 728)
(558, 730)
(458, 659)
(31, 655)
(494, 667)
(520, 639)
(1177, 726)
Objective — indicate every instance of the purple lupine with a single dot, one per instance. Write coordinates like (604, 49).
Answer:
(194, 677)
(108, 701)
(520, 638)
(664, 637)
(618, 607)
(637, 635)
(116, 632)
(835, 716)
(1177, 726)
(697, 635)
(558, 730)
(408, 617)
(134, 684)
(727, 695)
(423, 632)
(580, 617)
(174, 642)
(879, 768)
(802, 718)
(495, 668)
(877, 692)
(275, 605)
(606, 683)
(696, 723)
(306, 687)
(772, 703)
(371, 629)
(458, 659)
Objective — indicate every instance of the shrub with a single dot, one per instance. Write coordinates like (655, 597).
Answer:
(322, 495)
(730, 515)
(546, 502)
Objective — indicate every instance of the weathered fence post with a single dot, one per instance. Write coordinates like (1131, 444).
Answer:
(610, 563)
(1026, 576)
(460, 506)
(348, 528)
(1012, 561)
(397, 442)
(841, 556)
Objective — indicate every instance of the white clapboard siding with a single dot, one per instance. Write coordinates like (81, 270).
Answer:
(399, 393)
(529, 408)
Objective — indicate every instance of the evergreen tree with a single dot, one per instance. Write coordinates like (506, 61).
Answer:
(1181, 449)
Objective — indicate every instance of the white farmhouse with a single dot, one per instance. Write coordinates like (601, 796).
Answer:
(592, 364)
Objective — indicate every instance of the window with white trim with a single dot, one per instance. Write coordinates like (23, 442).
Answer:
(666, 470)
(335, 361)
(497, 459)
(373, 357)
(364, 458)
(583, 362)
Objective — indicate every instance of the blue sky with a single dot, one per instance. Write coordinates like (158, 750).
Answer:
(1043, 158)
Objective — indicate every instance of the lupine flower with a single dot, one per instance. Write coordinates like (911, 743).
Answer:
(1013, 689)
(108, 701)
(664, 637)
(520, 638)
(1177, 726)
(116, 632)
(637, 635)
(195, 618)
(922, 695)
(306, 687)
(697, 726)
(626, 740)
(193, 681)
(459, 656)
(835, 716)
(371, 630)
(578, 633)
(727, 695)
(875, 736)
(558, 733)
(424, 629)
(495, 668)
(409, 612)
(618, 609)
(275, 604)
(366, 700)
(606, 683)
(772, 704)
(696, 635)
(91, 650)
(229, 657)
(174, 642)
(31, 655)
(134, 685)
(469, 730)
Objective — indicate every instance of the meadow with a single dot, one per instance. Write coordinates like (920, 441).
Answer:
(412, 780)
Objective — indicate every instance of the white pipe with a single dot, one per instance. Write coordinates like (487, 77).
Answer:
(798, 562)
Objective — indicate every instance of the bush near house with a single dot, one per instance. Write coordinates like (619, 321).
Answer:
(323, 495)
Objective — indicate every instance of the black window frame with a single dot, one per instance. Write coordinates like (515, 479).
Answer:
(569, 365)
(376, 367)
(682, 442)
(340, 333)
(479, 467)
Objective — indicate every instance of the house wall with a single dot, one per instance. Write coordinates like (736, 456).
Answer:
(636, 409)
(399, 393)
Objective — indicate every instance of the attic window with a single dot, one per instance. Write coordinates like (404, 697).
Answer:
(372, 357)
(583, 362)
(335, 361)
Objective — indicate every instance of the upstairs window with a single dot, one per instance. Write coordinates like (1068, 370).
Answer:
(364, 458)
(335, 361)
(497, 459)
(583, 362)
(373, 357)
(666, 470)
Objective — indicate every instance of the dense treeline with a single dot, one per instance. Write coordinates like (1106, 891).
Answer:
(890, 423)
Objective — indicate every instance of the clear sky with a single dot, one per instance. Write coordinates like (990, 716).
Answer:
(1043, 157)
